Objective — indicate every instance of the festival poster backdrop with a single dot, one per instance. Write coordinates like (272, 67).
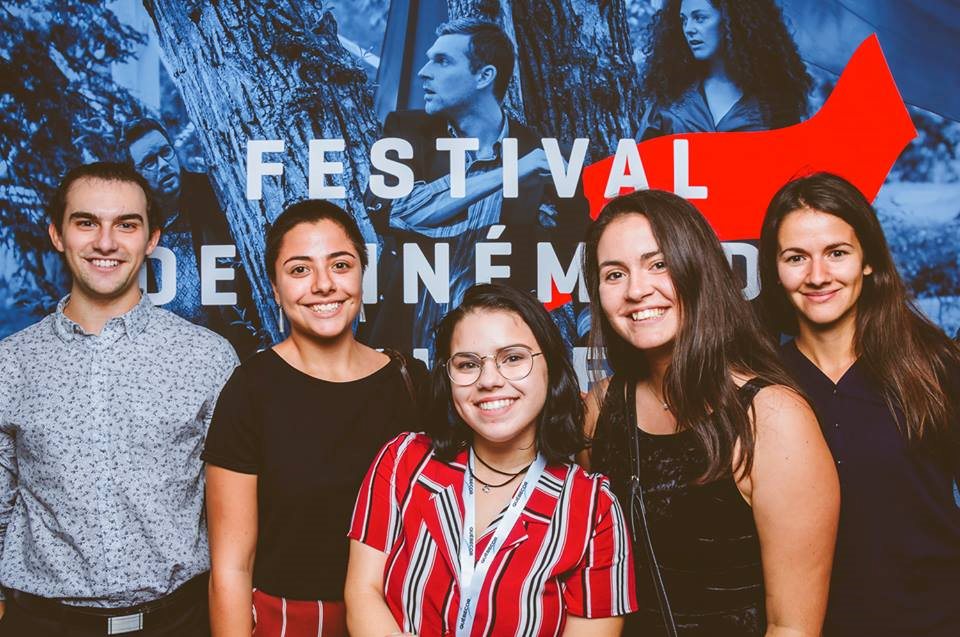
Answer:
(243, 91)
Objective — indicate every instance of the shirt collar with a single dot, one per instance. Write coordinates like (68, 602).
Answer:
(497, 145)
(134, 321)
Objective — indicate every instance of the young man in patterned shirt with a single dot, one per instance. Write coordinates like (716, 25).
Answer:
(104, 406)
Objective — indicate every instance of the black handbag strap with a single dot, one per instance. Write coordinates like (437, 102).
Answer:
(401, 361)
(637, 506)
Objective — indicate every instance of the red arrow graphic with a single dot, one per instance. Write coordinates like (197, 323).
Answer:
(858, 134)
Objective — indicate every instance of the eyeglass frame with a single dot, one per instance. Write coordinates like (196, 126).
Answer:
(154, 160)
(482, 359)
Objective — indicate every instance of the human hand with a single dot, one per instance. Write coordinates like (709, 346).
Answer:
(548, 215)
(534, 163)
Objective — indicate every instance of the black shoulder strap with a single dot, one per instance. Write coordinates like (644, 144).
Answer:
(638, 509)
(404, 372)
(748, 391)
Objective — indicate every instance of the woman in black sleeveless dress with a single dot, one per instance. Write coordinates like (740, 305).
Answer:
(702, 430)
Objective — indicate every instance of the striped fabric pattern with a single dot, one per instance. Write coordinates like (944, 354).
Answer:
(280, 617)
(570, 552)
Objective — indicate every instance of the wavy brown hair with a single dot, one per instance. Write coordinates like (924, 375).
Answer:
(761, 56)
(915, 365)
(718, 334)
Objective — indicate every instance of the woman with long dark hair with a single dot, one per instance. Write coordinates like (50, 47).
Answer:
(293, 432)
(721, 65)
(732, 491)
(884, 381)
(485, 527)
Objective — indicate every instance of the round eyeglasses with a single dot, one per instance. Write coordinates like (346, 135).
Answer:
(151, 162)
(513, 363)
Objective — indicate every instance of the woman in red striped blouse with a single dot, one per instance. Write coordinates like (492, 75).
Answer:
(486, 527)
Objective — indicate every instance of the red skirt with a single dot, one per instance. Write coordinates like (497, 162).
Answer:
(281, 617)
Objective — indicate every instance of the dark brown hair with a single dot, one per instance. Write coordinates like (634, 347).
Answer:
(560, 424)
(489, 44)
(105, 171)
(913, 362)
(718, 333)
(762, 58)
(310, 211)
(137, 128)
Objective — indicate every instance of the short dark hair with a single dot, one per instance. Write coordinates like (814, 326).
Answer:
(106, 171)
(560, 424)
(137, 128)
(489, 44)
(310, 211)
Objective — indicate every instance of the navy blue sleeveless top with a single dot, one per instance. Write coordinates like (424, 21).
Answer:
(896, 570)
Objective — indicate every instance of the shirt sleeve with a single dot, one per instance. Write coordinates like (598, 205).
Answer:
(416, 211)
(9, 389)
(603, 584)
(376, 516)
(234, 437)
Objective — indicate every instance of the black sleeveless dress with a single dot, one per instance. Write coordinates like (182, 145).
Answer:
(704, 536)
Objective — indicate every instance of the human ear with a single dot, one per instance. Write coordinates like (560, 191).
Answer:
(55, 237)
(486, 76)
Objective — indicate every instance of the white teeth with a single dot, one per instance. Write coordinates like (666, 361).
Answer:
(105, 263)
(496, 404)
(325, 307)
(648, 314)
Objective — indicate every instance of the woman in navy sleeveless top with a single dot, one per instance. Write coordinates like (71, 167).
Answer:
(740, 493)
(884, 381)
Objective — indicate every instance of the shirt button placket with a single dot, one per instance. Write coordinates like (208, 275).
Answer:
(106, 438)
(838, 440)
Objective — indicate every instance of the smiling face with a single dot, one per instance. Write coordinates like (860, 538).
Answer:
(104, 239)
(318, 280)
(702, 27)
(820, 265)
(636, 292)
(156, 160)
(501, 411)
(448, 82)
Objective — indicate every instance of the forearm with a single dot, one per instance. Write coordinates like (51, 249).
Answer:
(368, 614)
(231, 603)
(436, 207)
(774, 630)
(599, 627)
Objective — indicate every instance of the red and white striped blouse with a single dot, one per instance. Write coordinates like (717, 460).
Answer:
(569, 552)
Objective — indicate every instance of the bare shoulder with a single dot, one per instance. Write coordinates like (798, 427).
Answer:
(787, 428)
(778, 405)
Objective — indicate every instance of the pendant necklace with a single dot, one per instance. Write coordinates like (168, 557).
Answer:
(662, 402)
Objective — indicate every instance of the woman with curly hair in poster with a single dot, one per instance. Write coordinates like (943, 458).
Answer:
(884, 381)
(730, 487)
(720, 66)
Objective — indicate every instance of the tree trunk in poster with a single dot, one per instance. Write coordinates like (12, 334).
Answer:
(270, 70)
(577, 71)
(574, 64)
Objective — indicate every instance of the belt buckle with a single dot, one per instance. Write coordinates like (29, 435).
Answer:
(124, 624)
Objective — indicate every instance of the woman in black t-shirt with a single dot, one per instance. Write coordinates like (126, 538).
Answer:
(294, 431)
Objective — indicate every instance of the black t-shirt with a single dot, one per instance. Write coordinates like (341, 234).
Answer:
(310, 442)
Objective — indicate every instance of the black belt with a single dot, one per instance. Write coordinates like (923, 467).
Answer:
(117, 621)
